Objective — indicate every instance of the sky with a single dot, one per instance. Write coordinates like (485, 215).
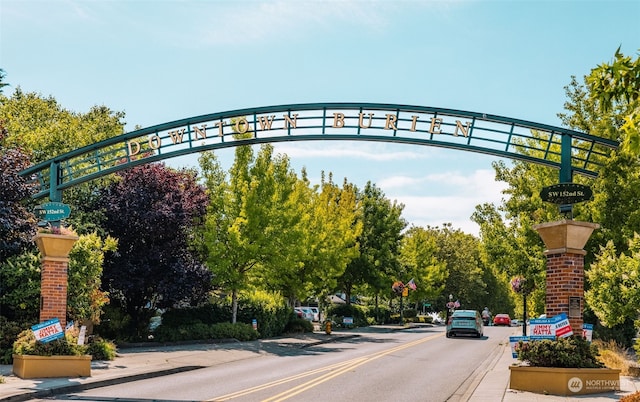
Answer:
(160, 61)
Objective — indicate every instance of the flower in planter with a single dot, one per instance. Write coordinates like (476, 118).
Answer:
(60, 230)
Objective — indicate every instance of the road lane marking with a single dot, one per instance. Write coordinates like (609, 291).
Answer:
(331, 371)
(317, 381)
(282, 381)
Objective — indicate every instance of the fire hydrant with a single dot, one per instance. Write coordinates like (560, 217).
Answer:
(327, 328)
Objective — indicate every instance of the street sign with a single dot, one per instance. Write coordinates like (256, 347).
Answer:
(566, 193)
(53, 211)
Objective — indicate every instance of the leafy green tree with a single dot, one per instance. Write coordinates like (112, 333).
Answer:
(151, 210)
(614, 294)
(617, 85)
(330, 239)
(461, 254)
(615, 191)
(2, 83)
(85, 297)
(45, 129)
(378, 264)
(248, 229)
(418, 254)
(20, 287)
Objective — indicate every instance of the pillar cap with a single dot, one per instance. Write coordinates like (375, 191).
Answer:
(565, 236)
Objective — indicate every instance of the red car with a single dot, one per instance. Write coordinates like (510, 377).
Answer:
(502, 319)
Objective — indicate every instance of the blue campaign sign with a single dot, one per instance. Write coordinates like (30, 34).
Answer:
(513, 341)
(48, 331)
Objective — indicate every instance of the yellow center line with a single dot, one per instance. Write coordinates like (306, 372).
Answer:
(332, 371)
(283, 381)
(317, 381)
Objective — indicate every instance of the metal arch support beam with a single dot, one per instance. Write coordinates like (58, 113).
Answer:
(567, 150)
(566, 172)
(55, 194)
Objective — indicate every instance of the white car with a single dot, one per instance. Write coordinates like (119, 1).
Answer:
(304, 312)
(316, 313)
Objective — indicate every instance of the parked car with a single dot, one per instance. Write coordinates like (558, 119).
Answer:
(465, 322)
(502, 319)
(316, 313)
(304, 312)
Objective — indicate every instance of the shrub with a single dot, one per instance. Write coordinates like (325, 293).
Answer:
(200, 331)
(380, 314)
(337, 312)
(409, 314)
(571, 352)
(268, 309)
(26, 344)
(616, 357)
(115, 324)
(206, 314)
(298, 325)
(101, 349)
(9, 331)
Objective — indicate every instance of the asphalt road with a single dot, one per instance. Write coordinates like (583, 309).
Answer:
(417, 364)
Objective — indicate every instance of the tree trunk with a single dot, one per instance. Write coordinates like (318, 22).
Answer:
(234, 306)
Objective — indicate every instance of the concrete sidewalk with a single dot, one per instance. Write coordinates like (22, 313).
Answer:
(489, 384)
(494, 386)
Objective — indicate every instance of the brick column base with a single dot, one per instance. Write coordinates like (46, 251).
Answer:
(565, 288)
(53, 290)
(565, 268)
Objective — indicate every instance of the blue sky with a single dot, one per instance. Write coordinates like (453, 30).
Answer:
(160, 61)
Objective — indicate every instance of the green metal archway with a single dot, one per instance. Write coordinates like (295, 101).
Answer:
(566, 150)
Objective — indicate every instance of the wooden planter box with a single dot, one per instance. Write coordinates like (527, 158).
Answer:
(564, 381)
(27, 366)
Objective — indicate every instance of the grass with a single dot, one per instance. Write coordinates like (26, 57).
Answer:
(615, 357)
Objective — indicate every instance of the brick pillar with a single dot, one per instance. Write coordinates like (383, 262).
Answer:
(54, 250)
(53, 290)
(565, 268)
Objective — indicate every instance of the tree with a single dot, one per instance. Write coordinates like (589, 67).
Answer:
(378, 264)
(418, 254)
(614, 294)
(248, 225)
(151, 210)
(461, 254)
(617, 85)
(17, 223)
(330, 240)
(85, 296)
(44, 129)
(2, 83)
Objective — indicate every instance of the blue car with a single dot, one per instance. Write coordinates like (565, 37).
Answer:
(465, 322)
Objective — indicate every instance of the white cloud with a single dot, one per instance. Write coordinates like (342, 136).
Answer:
(455, 201)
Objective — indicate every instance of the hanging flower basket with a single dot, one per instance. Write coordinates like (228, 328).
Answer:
(55, 245)
(521, 285)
